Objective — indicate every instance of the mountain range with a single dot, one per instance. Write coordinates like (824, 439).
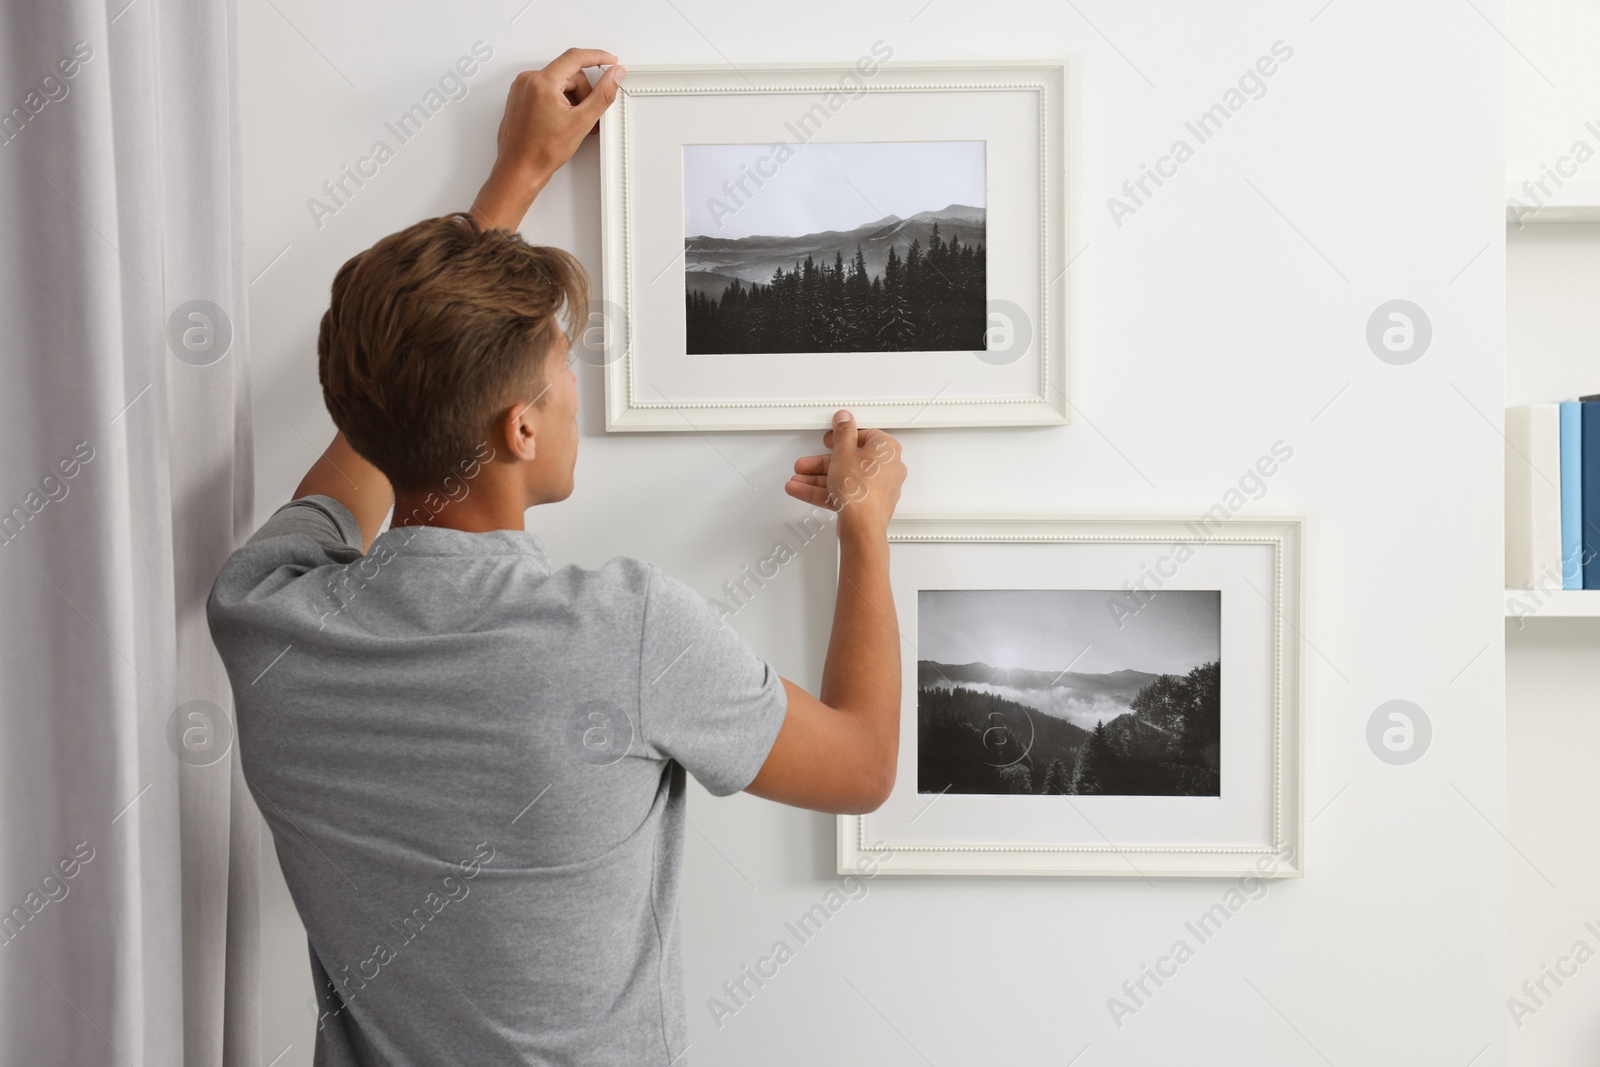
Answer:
(710, 263)
(1118, 685)
(1083, 699)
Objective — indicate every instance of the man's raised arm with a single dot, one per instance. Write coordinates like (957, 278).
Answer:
(838, 754)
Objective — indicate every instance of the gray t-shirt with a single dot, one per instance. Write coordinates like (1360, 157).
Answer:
(473, 768)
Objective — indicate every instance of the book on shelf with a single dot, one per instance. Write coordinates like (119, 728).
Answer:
(1571, 494)
(1591, 493)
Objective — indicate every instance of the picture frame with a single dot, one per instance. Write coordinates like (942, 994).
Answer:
(902, 112)
(1235, 591)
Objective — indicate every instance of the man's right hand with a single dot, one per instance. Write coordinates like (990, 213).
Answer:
(860, 477)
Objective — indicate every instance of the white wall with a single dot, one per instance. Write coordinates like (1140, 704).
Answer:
(1553, 87)
(1227, 313)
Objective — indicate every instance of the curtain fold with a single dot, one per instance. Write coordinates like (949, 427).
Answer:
(128, 845)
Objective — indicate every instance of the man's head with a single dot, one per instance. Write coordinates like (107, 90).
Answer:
(445, 345)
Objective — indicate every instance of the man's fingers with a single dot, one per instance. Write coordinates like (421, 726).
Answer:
(577, 87)
(844, 433)
(816, 496)
(605, 91)
(812, 464)
(573, 60)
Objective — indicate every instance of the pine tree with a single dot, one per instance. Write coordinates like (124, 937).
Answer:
(853, 304)
(1057, 780)
(858, 274)
(1095, 760)
(895, 328)
(834, 308)
(1162, 702)
(916, 293)
(1200, 740)
(1017, 778)
(935, 294)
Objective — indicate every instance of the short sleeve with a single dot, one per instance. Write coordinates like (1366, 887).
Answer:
(301, 537)
(321, 518)
(706, 699)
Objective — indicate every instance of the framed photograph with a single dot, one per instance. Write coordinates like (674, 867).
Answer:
(1108, 696)
(784, 241)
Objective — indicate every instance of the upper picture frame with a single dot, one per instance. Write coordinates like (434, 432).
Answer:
(783, 241)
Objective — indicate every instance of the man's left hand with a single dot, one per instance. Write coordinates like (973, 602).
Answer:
(548, 114)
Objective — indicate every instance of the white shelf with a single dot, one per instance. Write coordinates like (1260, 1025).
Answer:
(1562, 604)
(1573, 202)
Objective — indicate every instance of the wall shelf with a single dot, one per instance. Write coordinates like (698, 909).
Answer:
(1562, 604)
(1573, 202)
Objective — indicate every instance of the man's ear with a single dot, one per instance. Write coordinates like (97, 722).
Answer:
(515, 429)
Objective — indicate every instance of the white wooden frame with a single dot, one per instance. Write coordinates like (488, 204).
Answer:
(858, 852)
(627, 410)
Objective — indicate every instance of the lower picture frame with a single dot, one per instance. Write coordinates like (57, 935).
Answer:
(1065, 708)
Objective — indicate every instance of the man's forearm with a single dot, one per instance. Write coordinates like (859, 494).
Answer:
(862, 671)
(506, 196)
(342, 473)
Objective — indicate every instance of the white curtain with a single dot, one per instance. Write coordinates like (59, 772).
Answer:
(128, 844)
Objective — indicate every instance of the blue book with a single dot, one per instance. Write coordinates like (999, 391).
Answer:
(1591, 494)
(1571, 495)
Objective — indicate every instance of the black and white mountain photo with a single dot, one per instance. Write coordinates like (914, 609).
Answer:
(826, 247)
(1054, 692)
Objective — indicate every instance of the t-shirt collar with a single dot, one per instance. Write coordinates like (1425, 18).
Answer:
(443, 541)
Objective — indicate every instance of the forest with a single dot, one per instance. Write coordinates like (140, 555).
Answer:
(932, 300)
(1167, 744)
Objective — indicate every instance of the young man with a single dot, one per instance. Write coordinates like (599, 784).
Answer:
(473, 763)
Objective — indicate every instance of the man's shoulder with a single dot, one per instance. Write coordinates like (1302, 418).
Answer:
(642, 589)
(619, 578)
(300, 537)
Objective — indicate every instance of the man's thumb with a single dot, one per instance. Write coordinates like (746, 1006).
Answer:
(605, 91)
(844, 432)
